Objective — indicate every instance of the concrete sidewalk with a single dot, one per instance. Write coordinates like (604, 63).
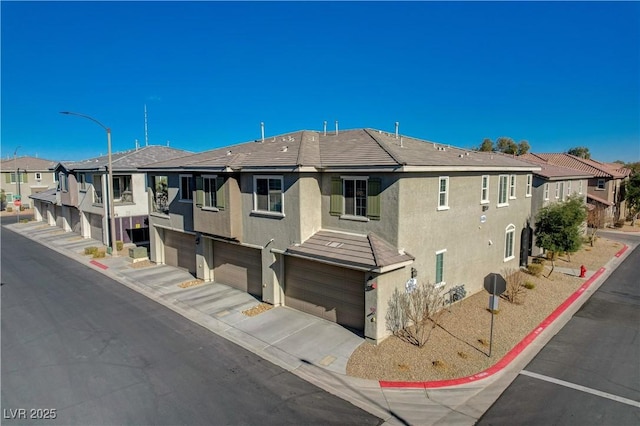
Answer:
(314, 349)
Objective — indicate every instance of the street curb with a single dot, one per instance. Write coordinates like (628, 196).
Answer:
(513, 353)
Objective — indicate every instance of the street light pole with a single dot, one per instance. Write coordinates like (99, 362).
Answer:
(112, 219)
(15, 163)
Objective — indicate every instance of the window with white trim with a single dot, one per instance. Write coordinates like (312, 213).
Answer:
(557, 189)
(443, 193)
(355, 196)
(503, 182)
(580, 188)
(569, 188)
(512, 186)
(38, 176)
(440, 268)
(529, 184)
(484, 194)
(268, 194)
(209, 186)
(97, 189)
(562, 193)
(509, 242)
(546, 191)
(122, 189)
(186, 187)
(601, 184)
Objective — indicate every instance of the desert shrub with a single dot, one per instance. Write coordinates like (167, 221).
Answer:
(515, 285)
(619, 223)
(413, 315)
(119, 245)
(9, 209)
(90, 250)
(529, 285)
(538, 260)
(99, 254)
(535, 269)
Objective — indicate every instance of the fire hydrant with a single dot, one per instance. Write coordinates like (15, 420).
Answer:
(583, 271)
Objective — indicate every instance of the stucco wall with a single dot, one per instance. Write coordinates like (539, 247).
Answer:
(226, 222)
(474, 239)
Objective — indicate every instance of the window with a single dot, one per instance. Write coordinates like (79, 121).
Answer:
(440, 268)
(12, 177)
(484, 196)
(512, 186)
(82, 181)
(502, 190)
(63, 184)
(122, 189)
(355, 197)
(529, 183)
(509, 241)
(161, 194)
(557, 189)
(210, 192)
(601, 184)
(546, 191)
(580, 188)
(267, 194)
(38, 176)
(562, 193)
(186, 188)
(443, 193)
(569, 188)
(97, 189)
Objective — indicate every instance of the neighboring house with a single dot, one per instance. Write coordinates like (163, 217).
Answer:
(604, 188)
(333, 224)
(24, 176)
(81, 202)
(553, 184)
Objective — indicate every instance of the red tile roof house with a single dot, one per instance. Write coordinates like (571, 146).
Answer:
(333, 223)
(603, 189)
(79, 202)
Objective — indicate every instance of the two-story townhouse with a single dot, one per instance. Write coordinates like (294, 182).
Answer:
(553, 184)
(24, 176)
(333, 224)
(81, 202)
(604, 187)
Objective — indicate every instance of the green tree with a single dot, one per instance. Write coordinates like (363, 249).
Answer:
(558, 227)
(580, 151)
(486, 146)
(523, 147)
(632, 195)
(506, 145)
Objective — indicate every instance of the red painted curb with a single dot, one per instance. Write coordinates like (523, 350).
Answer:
(622, 250)
(512, 354)
(98, 264)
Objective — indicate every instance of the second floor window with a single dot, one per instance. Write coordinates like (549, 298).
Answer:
(161, 194)
(210, 192)
(529, 182)
(186, 187)
(38, 176)
(443, 193)
(122, 189)
(62, 182)
(82, 182)
(601, 184)
(502, 190)
(97, 189)
(484, 197)
(557, 189)
(546, 191)
(512, 186)
(268, 194)
(355, 197)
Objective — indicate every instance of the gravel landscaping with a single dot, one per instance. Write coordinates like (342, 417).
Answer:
(459, 346)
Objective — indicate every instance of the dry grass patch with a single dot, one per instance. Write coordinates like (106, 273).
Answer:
(258, 309)
(191, 283)
(141, 264)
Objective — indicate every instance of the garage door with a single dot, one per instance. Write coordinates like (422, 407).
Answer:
(59, 217)
(95, 222)
(75, 220)
(180, 250)
(238, 266)
(330, 292)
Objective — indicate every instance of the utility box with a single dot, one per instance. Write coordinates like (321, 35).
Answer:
(138, 252)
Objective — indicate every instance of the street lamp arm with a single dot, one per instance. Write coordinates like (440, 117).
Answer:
(88, 117)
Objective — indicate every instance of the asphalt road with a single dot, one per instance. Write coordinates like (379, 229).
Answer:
(86, 350)
(589, 373)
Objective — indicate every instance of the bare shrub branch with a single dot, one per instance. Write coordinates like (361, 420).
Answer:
(516, 290)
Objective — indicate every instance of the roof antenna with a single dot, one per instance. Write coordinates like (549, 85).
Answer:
(336, 127)
(137, 144)
(325, 127)
(167, 143)
(146, 133)
(397, 125)
(262, 129)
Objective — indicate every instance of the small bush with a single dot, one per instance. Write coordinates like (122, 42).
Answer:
(515, 285)
(529, 285)
(538, 260)
(9, 209)
(619, 223)
(90, 250)
(119, 245)
(22, 208)
(99, 254)
(535, 269)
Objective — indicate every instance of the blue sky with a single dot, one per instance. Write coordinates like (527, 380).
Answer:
(557, 74)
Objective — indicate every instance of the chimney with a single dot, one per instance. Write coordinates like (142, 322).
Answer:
(262, 130)
(325, 127)
(336, 127)
(397, 125)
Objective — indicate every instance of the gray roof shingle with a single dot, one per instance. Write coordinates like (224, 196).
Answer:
(128, 160)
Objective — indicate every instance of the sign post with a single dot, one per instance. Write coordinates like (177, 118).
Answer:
(17, 202)
(495, 284)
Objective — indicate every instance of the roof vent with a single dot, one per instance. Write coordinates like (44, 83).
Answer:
(397, 125)
(325, 127)
(262, 130)
(284, 149)
(466, 153)
(334, 244)
(460, 156)
(229, 152)
(336, 127)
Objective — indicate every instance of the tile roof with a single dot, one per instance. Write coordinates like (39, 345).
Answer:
(552, 171)
(368, 252)
(357, 148)
(26, 163)
(593, 167)
(598, 199)
(48, 196)
(128, 160)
